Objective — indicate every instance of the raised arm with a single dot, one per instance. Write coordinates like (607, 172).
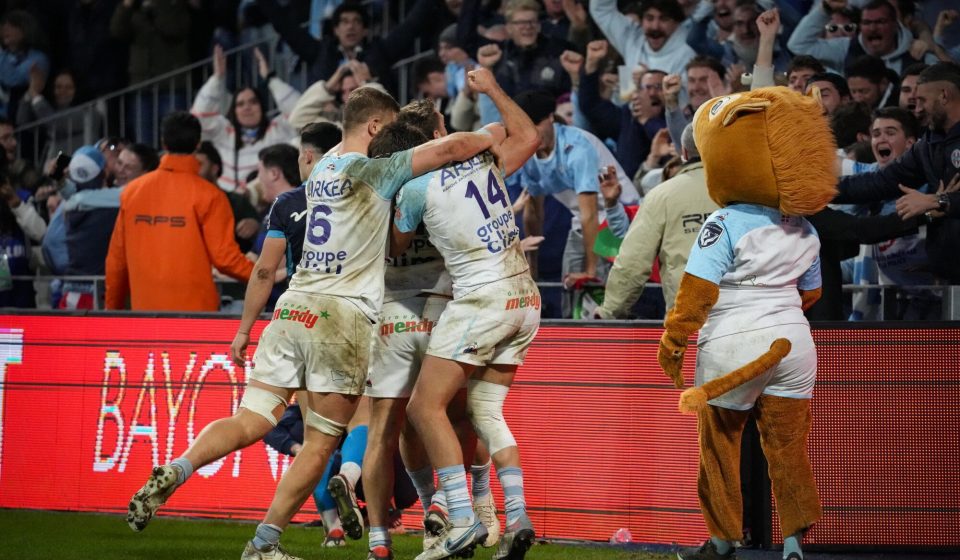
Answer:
(458, 146)
(615, 26)
(209, 101)
(522, 139)
(806, 38)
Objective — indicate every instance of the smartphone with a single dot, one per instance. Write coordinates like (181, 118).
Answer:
(63, 160)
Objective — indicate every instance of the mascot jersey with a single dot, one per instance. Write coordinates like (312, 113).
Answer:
(759, 258)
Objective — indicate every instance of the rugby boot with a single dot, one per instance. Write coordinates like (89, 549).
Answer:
(350, 517)
(334, 538)
(460, 542)
(516, 541)
(145, 503)
(436, 522)
(486, 510)
(269, 552)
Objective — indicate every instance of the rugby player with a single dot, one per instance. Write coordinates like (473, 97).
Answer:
(320, 333)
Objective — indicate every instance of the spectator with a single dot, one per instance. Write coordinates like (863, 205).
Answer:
(350, 40)
(881, 35)
(931, 161)
(565, 20)
(901, 261)
(172, 229)
(654, 43)
(18, 54)
(133, 161)
(16, 220)
(566, 166)
(456, 59)
(706, 79)
(908, 86)
(665, 229)
(801, 69)
(843, 23)
(946, 20)
(851, 125)
(528, 60)
(69, 132)
(79, 235)
(110, 148)
(430, 79)
(21, 174)
(245, 129)
(634, 125)
(834, 92)
(245, 216)
(869, 82)
(742, 44)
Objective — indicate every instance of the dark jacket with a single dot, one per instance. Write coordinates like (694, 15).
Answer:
(533, 68)
(323, 56)
(609, 121)
(935, 158)
(841, 235)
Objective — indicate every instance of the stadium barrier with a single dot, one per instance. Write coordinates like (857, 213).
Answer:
(89, 403)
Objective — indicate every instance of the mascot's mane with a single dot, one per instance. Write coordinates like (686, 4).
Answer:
(778, 125)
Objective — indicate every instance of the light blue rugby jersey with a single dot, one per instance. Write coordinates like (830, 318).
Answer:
(573, 168)
(759, 258)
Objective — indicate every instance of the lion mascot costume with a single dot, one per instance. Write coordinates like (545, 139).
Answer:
(769, 160)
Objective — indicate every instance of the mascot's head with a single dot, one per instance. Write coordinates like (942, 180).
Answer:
(770, 146)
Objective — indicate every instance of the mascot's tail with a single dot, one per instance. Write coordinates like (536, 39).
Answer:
(695, 398)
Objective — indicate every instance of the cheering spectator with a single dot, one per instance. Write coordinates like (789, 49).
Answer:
(15, 244)
(245, 129)
(18, 54)
(633, 125)
(881, 35)
(21, 174)
(350, 41)
(706, 79)
(655, 43)
(932, 161)
(528, 60)
(68, 132)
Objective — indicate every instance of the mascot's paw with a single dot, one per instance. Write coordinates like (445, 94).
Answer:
(693, 400)
(671, 361)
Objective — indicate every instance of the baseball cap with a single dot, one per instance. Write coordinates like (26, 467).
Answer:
(86, 166)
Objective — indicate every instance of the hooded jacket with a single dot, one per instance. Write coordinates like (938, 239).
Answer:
(629, 40)
(838, 52)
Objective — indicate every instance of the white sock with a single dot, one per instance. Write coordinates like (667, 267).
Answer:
(351, 471)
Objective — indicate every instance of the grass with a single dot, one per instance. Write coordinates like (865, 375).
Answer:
(29, 535)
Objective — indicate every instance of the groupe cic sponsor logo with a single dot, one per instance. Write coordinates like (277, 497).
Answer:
(421, 326)
(522, 302)
(300, 316)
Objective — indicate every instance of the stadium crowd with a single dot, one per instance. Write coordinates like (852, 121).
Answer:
(610, 85)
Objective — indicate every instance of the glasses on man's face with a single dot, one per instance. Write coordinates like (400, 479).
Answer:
(846, 27)
(524, 23)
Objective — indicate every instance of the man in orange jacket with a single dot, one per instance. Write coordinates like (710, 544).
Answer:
(173, 227)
